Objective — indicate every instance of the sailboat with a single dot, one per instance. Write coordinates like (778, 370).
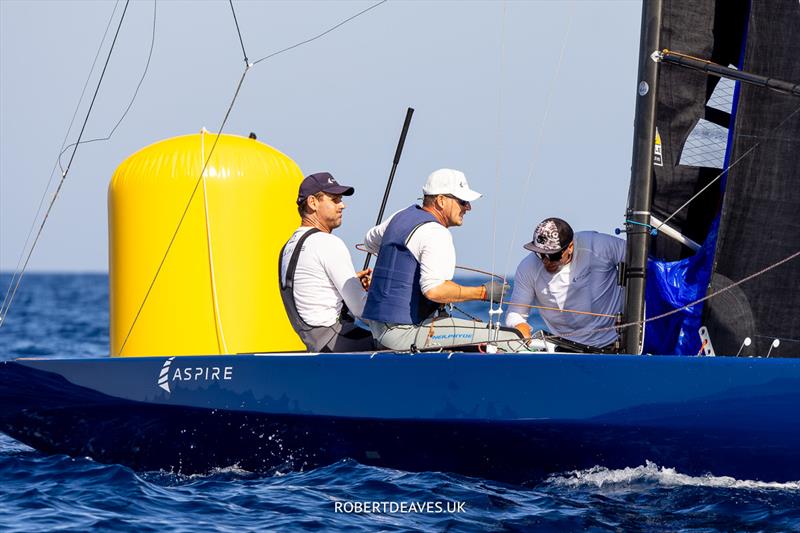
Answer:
(517, 417)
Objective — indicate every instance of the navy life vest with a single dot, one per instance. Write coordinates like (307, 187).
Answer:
(395, 296)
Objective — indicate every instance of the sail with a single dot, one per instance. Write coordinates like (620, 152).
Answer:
(745, 142)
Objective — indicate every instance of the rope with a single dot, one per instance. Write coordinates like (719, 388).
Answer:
(241, 41)
(471, 317)
(221, 344)
(65, 172)
(360, 247)
(479, 271)
(558, 309)
(133, 98)
(186, 209)
(782, 339)
(53, 171)
(700, 300)
(747, 152)
(658, 317)
(326, 32)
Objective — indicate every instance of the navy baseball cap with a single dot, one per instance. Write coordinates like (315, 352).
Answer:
(321, 182)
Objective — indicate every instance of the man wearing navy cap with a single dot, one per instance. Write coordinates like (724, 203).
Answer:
(320, 288)
(574, 272)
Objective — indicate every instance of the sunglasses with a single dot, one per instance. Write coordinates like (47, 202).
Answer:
(550, 257)
(462, 203)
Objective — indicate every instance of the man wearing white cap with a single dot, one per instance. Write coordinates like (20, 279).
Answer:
(571, 272)
(413, 275)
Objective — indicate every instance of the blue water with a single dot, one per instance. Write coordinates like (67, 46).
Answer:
(67, 316)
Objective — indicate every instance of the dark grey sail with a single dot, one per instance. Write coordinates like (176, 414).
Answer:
(743, 140)
(760, 222)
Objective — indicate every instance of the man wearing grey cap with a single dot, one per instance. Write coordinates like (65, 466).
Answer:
(573, 272)
(319, 286)
(414, 272)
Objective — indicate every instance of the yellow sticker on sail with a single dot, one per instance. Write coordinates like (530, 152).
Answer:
(658, 160)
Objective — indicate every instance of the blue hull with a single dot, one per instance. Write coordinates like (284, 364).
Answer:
(507, 417)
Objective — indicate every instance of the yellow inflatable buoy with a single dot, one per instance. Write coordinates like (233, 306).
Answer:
(193, 254)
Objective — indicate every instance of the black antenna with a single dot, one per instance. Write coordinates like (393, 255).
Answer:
(397, 155)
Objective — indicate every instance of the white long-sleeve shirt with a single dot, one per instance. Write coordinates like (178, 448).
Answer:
(587, 283)
(431, 245)
(323, 279)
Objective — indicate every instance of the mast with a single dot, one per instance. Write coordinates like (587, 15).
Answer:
(640, 193)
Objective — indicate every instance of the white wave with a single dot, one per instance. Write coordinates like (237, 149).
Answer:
(650, 472)
(235, 470)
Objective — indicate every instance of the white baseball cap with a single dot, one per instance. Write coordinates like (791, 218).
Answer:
(449, 181)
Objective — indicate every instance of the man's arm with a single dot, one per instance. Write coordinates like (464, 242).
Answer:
(374, 236)
(339, 267)
(517, 315)
(613, 248)
(432, 246)
(451, 292)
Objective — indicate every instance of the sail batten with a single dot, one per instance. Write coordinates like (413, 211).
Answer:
(709, 67)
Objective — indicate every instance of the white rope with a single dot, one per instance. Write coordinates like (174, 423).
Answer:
(186, 209)
(221, 345)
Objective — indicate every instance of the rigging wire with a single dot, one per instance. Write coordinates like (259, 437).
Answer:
(738, 159)
(133, 98)
(499, 156)
(66, 171)
(238, 31)
(12, 291)
(55, 164)
(538, 139)
(248, 66)
(342, 23)
(186, 209)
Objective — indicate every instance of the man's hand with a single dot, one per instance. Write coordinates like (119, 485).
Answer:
(494, 290)
(365, 277)
(526, 330)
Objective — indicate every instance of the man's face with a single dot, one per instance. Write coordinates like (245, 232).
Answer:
(554, 266)
(329, 209)
(454, 209)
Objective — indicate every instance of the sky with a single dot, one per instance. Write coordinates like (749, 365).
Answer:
(533, 101)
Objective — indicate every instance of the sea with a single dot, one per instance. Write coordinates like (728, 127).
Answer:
(66, 315)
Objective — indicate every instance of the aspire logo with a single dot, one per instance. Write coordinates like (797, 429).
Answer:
(192, 373)
(163, 377)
